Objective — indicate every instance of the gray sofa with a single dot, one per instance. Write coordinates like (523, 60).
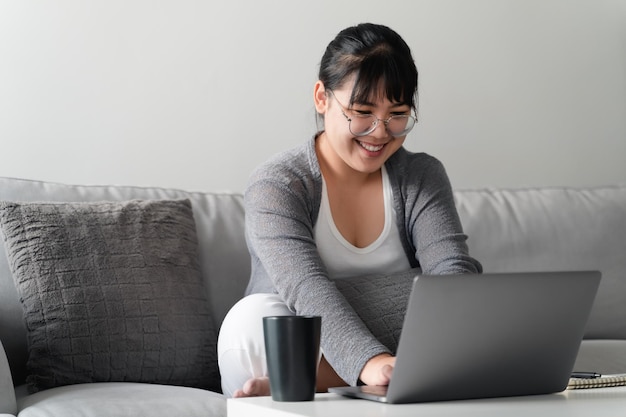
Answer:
(510, 230)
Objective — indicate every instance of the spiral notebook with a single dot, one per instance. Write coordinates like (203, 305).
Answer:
(603, 381)
(487, 335)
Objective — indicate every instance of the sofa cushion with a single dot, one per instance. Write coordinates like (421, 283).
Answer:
(380, 301)
(555, 229)
(219, 218)
(111, 291)
(603, 356)
(121, 399)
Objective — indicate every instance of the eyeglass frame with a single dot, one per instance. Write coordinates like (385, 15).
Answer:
(376, 122)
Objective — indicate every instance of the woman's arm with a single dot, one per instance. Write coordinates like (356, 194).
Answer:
(279, 230)
(432, 220)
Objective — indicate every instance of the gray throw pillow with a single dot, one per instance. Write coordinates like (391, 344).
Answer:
(380, 301)
(111, 291)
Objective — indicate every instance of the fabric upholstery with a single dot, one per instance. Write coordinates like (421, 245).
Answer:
(555, 229)
(380, 301)
(111, 292)
(219, 228)
(122, 399)
(602, 356)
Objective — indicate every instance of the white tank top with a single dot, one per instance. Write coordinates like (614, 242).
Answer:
(342, 259)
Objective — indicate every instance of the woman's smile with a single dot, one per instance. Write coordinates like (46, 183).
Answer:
(370, 147)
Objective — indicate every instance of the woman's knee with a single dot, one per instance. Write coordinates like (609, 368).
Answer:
(241, 346)
(244, 321)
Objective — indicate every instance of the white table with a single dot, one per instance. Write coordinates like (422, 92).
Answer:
(595, 402)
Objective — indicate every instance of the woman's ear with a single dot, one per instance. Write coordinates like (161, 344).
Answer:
(320, 97)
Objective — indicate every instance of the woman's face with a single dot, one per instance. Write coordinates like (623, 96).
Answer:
(341, 148)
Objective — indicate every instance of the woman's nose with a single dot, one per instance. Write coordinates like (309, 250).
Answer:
(380, 131)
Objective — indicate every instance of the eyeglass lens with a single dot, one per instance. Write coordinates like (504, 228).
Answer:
(397, 125)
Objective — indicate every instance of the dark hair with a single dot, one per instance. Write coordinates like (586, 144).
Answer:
(377, 56)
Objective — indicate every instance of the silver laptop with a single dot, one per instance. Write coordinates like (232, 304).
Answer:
(487, 335)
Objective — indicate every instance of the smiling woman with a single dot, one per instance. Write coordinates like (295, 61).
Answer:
(349, 202)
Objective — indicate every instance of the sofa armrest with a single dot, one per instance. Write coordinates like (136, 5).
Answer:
(7, 390)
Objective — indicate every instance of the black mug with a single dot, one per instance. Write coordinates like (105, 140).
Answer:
(292, 346)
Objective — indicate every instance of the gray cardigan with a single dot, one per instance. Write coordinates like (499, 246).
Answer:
(282, 202)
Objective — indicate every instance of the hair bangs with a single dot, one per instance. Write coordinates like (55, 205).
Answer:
(383, 73)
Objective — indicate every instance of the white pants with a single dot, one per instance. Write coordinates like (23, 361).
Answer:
(240, 346)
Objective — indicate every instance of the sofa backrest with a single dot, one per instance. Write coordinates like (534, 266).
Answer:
(552, 229)
(224, 258)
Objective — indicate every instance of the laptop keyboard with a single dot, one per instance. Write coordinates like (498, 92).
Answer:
(374, 390)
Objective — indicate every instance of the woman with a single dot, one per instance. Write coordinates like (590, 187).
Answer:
(351, 201)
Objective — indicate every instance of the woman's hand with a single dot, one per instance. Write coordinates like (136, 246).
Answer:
(378, 370)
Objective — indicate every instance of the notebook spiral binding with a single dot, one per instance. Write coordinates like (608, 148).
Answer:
(604, 381)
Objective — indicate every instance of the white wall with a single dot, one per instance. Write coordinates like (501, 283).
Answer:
(195, 93)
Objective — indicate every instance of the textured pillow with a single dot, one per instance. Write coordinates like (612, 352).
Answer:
(380, 301)
(111, 291)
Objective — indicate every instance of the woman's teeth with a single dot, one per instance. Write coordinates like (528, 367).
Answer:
(371, 148)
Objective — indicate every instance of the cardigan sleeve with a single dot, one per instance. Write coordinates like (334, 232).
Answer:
(431, 219)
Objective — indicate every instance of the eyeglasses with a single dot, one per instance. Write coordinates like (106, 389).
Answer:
(362, 124)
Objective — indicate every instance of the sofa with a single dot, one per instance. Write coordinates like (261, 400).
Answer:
(538, 229)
